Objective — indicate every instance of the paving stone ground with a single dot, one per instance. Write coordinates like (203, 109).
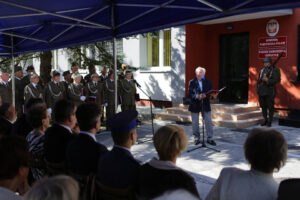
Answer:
(205, 164)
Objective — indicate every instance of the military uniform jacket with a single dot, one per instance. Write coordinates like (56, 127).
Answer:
(95, 92)
(74, 93)
(6, 92)
(102, 78)
(19, 91)
(268, 88)
(109, 92)
(32, 91)
(53, 93)
(127, 90)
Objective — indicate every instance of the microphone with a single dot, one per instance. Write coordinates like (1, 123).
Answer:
(137, 84)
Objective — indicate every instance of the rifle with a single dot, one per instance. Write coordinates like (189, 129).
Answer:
(272, 65)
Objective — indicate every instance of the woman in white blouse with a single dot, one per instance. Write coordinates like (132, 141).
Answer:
(266, 151)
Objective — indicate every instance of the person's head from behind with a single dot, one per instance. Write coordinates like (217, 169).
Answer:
(14, 159)
(32, 102)
(88, 117)
(8, 111)
(265, 149)
(170, 141)
(64, 113)
(123, 128)
(54, 188)
(200, 72)
(38, 117)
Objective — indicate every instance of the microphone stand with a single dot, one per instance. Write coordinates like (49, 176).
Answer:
(139, 86)
(203, 142)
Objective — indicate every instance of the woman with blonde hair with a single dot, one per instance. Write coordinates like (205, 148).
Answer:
(160, 175)
(55, 188)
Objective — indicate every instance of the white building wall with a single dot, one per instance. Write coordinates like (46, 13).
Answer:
(166, 83)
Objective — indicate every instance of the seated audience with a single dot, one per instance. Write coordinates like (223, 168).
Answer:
(160, 175)
(7, 115)
(83, 151)
(266, 151)
(118, 168)
(54, 188)
(14, 159)
(59, 134)
(21, 126)
(38, 118)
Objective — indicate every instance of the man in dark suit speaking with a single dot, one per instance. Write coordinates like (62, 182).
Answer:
(198, 88)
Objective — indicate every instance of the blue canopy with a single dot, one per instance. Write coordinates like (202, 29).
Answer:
(39, 25)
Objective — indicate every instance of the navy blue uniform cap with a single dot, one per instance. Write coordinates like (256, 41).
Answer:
(123, 121)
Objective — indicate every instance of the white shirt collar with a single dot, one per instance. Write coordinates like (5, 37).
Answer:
(5, 83)
(76, 84)
(54, 81)
(66, 127)
(34, 85)
(121, 147)
(90, 134)
(18, 78)
(162, 164)
(94, 82)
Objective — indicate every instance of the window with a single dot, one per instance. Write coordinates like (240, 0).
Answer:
(159, 48)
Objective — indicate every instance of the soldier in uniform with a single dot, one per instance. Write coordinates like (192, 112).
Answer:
(268, 77)
(94, 90)
(54, 90)
(103, 75)
(67, 81)
(127, 92)
(109, 95)
(74, 69)
(5, 87)
(33, 90)
(124, 68)
(19, 90)
(88, 77)
(75, 91)
(29, 71)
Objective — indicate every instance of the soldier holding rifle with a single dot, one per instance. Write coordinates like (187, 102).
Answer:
(268, 77)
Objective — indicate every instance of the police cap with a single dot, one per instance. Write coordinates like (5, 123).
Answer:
(123, 121)
(18, 68)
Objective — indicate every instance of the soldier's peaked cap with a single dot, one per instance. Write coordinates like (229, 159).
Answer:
(267, 60)
(123, 121)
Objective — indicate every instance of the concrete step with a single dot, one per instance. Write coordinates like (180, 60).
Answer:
(244, 123)
(173, 117)
(235, 116)
(233, 108)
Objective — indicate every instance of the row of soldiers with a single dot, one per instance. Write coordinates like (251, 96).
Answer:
(91, 88)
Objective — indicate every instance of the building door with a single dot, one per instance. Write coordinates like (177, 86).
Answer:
(233, 69)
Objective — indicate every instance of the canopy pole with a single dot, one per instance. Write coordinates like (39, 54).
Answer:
(13, 71)
(114, 53)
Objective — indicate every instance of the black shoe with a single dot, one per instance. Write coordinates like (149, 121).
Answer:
(211, 142)
(269, 124)
(264, 123)
(196, 142)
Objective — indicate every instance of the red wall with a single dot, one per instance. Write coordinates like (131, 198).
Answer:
(202, 49)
